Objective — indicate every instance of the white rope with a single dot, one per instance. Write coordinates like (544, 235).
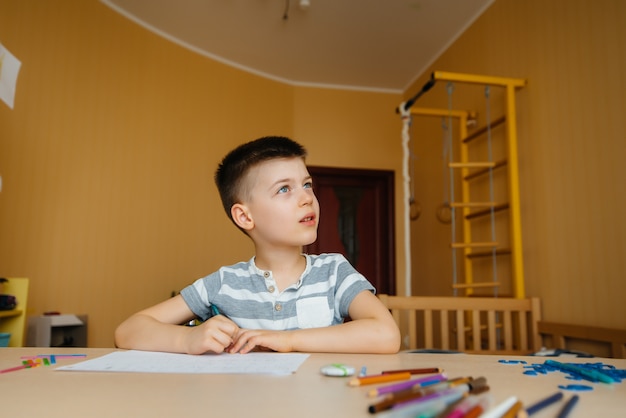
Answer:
(406, 125)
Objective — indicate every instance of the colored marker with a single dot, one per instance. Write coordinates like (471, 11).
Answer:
(440, 409)
(414, 393)
(513, 410)
(422, 408)
(544, 403)
(415, 371)
(411, 384)
(16, 368)
(567, 408)
(454, 406)
(30, 363)
(435, 410)
(500, 409)
(52, 356)
(475, 412)
(447, 395)
(378, 378)
(459, 408)
(462, 408)
(58, 356)
(423, 394)
(587, 374)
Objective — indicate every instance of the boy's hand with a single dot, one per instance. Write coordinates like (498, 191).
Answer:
(261, 340)
(215, 335)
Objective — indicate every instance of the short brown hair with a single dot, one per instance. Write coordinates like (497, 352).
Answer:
(233, 169)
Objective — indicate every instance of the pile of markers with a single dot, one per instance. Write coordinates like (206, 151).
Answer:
(592, 372)
(28, 362)
(431, 396)
(437, 396)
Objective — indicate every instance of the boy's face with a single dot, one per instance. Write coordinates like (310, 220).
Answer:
(281, 203)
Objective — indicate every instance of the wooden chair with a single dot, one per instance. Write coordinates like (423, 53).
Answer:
(478, 325)
(564, 335)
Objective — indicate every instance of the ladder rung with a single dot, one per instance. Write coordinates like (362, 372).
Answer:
(478, 173)
(471, 285)
(479, 213)
(473, 204)
(477, 254)
(473, 244)
(487, 164)
(484, 129)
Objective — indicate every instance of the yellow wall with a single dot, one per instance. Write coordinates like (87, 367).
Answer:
(108, 203)
(572, 143)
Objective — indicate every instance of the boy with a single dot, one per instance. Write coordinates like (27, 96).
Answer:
(281, 300)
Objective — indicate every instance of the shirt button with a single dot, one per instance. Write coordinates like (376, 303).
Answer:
(278, 307)
(266, 274)
(271, 289)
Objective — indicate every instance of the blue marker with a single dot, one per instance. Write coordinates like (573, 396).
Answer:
(589, 374)
(567, 408)
(544, 403)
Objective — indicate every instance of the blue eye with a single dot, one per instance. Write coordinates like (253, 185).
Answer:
(308, 185)
(283, 189)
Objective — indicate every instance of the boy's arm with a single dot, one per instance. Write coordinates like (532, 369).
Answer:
(158, 329)
(371, 330)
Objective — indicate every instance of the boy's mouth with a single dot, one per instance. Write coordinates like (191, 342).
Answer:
(309, 218)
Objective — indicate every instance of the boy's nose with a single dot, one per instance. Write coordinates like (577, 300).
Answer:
(307, 197)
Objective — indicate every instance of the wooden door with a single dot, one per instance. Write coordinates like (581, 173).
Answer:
(357, 220)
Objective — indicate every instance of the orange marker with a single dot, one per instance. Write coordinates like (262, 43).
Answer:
(379, 378)
(477, 410)
(474, 412)
(513, 411)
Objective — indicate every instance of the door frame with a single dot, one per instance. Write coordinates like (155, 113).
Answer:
(381, 182)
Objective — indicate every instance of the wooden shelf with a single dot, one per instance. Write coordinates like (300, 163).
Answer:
(9, 314)
(14, 321)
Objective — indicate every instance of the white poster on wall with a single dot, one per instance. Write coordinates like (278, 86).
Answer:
(9, 69)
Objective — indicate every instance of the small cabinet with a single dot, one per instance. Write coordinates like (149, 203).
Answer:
(57, 331)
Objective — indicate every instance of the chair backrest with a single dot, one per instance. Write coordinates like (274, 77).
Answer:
(564, 336)
(478, 325)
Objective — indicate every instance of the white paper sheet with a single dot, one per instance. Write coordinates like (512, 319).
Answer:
(9, 69)
(154, 362)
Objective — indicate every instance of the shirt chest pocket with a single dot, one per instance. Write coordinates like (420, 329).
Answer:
(313, 312)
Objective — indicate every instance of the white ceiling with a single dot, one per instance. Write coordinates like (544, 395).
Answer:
(378, 45)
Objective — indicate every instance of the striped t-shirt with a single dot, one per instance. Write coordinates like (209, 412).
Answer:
(249, 296)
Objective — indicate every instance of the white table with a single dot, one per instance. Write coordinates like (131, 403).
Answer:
(44, 392)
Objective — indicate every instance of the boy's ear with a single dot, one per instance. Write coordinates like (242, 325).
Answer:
(241, 216)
